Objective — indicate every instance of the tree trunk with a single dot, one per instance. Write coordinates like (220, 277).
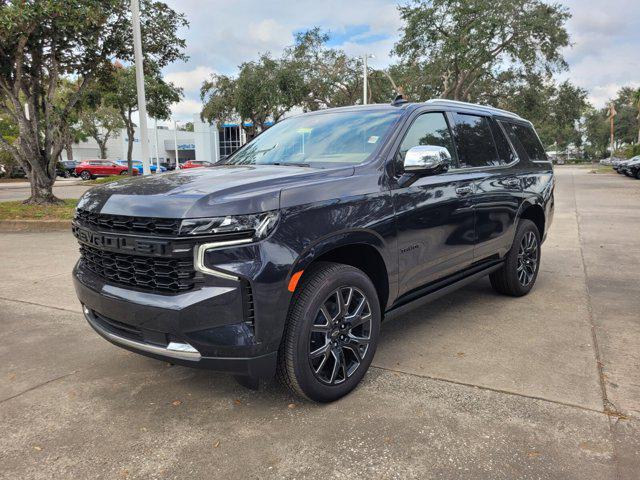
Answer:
(41, 188)
(69, 149)
(103, 149)
(130, 133)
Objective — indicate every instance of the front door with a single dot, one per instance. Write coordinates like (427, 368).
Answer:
(434, 213)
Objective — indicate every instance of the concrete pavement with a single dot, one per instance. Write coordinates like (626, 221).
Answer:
(63, 188)
(475, 385)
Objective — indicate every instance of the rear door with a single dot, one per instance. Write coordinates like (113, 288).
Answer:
(483, 147)
(434, 213)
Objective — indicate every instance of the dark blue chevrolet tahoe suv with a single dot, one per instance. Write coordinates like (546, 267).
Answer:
(284, 258)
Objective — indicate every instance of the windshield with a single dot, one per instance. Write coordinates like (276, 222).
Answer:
(320, 140)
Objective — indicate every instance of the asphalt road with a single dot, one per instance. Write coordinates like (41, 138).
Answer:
(475, 385)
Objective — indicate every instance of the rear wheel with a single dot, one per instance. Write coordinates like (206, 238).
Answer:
(520, 269)
(85, 175)
(331, 333)
(638, 174)
(124, 172)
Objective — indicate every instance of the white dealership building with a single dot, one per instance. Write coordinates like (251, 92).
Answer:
(206, 142)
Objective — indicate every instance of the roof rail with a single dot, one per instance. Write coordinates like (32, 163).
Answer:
(444, 101)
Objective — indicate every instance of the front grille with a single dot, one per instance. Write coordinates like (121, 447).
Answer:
(164, 275)
(119, 223)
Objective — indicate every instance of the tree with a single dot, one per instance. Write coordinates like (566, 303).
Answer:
(44, 41)
(264, 90)
(459, 45)
(188, 127)
(100, 120)
(120, 94)
(332, 78)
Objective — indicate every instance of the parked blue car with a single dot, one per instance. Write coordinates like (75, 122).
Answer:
(137, 164)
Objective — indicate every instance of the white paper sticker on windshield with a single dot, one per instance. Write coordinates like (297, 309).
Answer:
(373, 139)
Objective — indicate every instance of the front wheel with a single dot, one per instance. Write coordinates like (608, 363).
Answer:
(520, 270)
(85, 175)
(124, 172)
(331, 332)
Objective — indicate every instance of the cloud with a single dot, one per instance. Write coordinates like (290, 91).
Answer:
(190, 80)
(222, 35)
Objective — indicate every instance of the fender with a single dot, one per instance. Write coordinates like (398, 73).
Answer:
(338, 239)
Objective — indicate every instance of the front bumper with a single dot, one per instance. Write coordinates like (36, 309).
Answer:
(204, 328)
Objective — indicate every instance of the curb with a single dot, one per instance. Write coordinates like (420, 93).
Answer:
(22, 226)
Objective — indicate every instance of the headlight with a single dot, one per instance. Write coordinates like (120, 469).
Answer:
(256, 226)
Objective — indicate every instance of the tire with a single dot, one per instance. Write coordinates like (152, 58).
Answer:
(522, 264)
(85, 175)
(638, 174)
(124, 172)
(341, 351)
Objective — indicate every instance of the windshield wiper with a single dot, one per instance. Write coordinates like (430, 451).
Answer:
(286, 164)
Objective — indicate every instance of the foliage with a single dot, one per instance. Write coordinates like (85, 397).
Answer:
(264, 90)
(119, 93)
(98, 119)
(459, 46)
(45, 41)
(16, 210)
(188, 127)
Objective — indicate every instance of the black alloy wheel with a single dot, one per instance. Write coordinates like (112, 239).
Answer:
(331, 332)
(340, 335)
(521, 265)
(527, 258)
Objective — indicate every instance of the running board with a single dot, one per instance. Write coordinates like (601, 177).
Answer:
(436, 291)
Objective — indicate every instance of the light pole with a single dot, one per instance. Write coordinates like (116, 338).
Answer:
(175, 143)
(155, 132)
(365, 71)
(142, 104)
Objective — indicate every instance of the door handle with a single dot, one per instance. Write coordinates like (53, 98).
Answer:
(464, 190)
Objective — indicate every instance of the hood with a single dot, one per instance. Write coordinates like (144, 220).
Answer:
(203, 192)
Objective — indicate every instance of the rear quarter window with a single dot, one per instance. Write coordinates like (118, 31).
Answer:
(525, 137)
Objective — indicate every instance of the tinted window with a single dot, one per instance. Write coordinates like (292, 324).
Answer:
(528, 139)
(429, 129)
(505, 152)
(474, 141)
(320, 139)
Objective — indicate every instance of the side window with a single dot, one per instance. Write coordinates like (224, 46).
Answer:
(475, 141)
(505, 152)
(528, 140)
(428, 129)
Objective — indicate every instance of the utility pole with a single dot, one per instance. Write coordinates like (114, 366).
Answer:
(142, 104)
(155, 131)
(175, 142)
(365, 79)
(612, 113)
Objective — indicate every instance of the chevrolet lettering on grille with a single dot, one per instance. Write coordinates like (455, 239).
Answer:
(121, 243)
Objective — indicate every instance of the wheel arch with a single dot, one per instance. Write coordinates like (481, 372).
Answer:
(533, 210)
(361, 249)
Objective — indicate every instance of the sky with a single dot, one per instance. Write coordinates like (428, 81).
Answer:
(604, 55)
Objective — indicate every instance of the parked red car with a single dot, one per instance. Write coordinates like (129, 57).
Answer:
(196, 164)
(89, 169)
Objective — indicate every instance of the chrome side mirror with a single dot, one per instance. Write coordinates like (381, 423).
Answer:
(427, 159)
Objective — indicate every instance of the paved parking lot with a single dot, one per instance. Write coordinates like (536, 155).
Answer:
(63, 188)
(475, 385)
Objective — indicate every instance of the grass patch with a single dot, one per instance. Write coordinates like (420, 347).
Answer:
(20, 211)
